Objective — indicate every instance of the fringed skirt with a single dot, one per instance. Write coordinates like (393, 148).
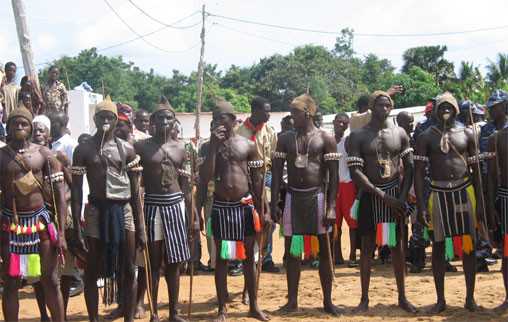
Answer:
(165, 219)
(452, 207)
(24, 240)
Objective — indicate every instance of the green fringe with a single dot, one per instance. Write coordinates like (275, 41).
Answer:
(281, 231)
(296, 249)
(392, 234)
(209, 232)
(355, 209)
(224, 250)
(449, 255)
(426, 233)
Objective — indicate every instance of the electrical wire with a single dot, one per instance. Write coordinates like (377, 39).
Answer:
(253, 35)
(328, 32)
(157, 20)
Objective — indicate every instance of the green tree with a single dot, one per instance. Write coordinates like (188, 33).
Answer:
(497, 72)
(419, 87)
(430, 59)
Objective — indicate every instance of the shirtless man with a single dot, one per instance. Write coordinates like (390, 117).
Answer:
(31, 240)
(231, 162)
(450, 151)
(114, 224)
(162, 159)
(497, 179)
(310, 153)
(375, 153)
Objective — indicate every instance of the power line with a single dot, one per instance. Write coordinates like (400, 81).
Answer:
(253, 35)
(140, 36)
(160, 21)
(328, 32)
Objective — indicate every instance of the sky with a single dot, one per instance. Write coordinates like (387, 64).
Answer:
(62, 27)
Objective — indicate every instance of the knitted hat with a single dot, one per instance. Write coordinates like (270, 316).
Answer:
(106, 105)
(164, 105)
(223, 107)
(20, 111)
(305, 103)
(447, 97)
(374, 96)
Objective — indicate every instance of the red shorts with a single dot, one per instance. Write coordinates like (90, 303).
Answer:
(346, 194)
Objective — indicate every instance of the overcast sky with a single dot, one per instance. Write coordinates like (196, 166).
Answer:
(63, 27)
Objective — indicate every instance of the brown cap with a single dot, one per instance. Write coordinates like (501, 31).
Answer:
(164, 105)
(223, 107)
(20, 111)
(447, 97)
(374, 96)
(106, 105)
(305, 103)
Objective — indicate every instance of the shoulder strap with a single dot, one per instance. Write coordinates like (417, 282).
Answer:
(121, 152)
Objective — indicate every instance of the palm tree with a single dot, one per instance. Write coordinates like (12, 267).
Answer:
(497, 72)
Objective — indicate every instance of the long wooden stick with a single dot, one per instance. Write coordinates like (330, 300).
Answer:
(327, 235)
(148, 276)
(191, 241)
(262, 236)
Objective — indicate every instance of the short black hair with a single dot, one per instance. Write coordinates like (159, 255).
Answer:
(60, 116)
(140, 112)
(24, 79)
(52, 67)
(286, 118)
(362, 101)
(258, 103)
(9, 64)
(342, 115)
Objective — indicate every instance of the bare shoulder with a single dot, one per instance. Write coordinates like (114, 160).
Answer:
(286, 137)
(140, 145)
(356, 135)
(327, 136)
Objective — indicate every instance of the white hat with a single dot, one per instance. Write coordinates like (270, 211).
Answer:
(44, 120)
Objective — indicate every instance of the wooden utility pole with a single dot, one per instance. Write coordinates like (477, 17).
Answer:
(24, 41)
(201, 67)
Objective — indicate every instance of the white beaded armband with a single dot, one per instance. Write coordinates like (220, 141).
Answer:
(422, 158)
(488, 155)
(134, 163)
(473, 159)
(332, 156)
(255, 164)
(55, 177)
(355, 162)
(405, 152)
(183, 173)
(78, 171)
(279, 155)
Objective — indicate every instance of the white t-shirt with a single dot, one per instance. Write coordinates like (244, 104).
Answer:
(344, 175)
(65, 144)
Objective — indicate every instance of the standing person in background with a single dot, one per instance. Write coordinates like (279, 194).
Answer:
(36, 101)
(256, 129)
(346, 192)
(142, 124)
(9, 90)
(55, 93)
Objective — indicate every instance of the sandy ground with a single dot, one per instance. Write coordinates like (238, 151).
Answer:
(346, 294)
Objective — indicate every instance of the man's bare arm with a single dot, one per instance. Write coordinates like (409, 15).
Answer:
(331, 159)
(475, 168)
(278, 160)
(77, 188)
(492, 183)
(407, 161)
(421, 161)
(134, 172)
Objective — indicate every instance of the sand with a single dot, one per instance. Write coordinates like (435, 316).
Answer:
(346, 294)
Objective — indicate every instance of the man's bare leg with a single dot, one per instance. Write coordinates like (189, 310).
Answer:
(50, 281)
(221, 273)
(438, 270)
(156, 253)
(41, 301)
(65, 287)
(249, 274)
(10, 300)
(399, 269)
(352, 243)
(339, 259)
(367, 248)
(326, 278)
(129, 276)
(293, 267)
(504, 271)
(469, 264)
(140, 309)
(90, 280)
(173, 281)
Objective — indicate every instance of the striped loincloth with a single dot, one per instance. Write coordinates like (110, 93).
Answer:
(452, 207)
(24, 240)
(315, 212)
(165, 219)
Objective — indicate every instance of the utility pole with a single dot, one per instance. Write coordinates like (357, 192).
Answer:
(24, 41)
(201, 67)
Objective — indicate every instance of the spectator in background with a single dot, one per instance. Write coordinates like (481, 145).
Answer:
(318, 119)
(2, 128)
(141, 122)
(55, 93)
(27, 90)
(61, 140)
(123, 128)
(286, 124)
(9, 90)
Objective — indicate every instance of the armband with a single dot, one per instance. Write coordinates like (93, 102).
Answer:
(255, 164)
(473, 159)
(355, 162)
(55, 177)
(136, 169)
(183, 173)
(78, 171)
(279, 155)
(488, 155)
(422, 158)
(405, 152)
(332, 156)
(134, 163)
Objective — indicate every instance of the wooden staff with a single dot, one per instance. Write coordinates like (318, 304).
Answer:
(327, 237)
(55, 210)
(146, 259)
(262, 236)
(191, 234)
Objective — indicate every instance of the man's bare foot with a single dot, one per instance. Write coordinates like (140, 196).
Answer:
(115, 314)
(362, 307)
(139, 313)
(332, 309)
(289, 307)
(154, 318)
(470, 305)
(439, 307)
(406, 306)
(221, 317)
(259, 315)
(245, 299)
(503, 307)
(176, 318)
